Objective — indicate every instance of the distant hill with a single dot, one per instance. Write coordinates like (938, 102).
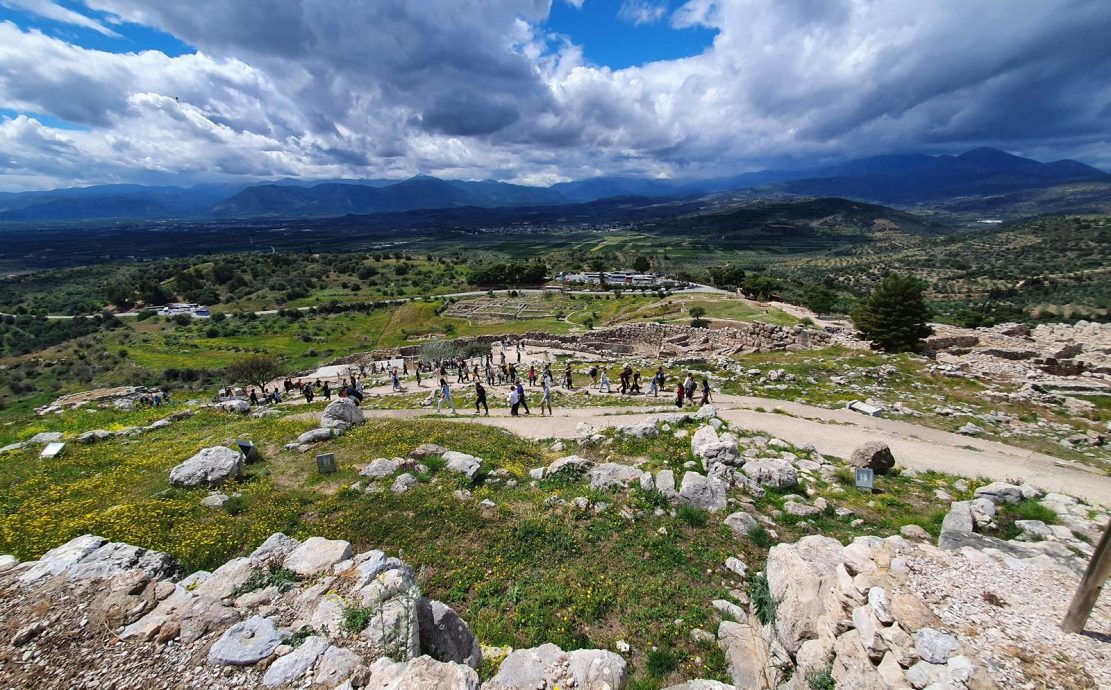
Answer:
(903, 180)
(909, 179)
(416, 193)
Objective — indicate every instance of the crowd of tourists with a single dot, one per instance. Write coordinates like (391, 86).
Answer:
(482, 372)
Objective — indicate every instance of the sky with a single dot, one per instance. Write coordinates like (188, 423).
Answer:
(536, 91)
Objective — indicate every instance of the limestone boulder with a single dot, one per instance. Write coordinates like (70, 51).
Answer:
(291, 668)
(316, 555)
(461, 463)
(741, 523)
(746, 654)
(422, 672)
(874, 455)
(570, 463)
(316, 435)
(246, 643)
(445, 636)
(210, 467)
(380, 467)
(614, 475)
(702, 492)
(548, 666)
(236, 406)
(777, 474)
(342, 413)
(1000, 492)
(800, 577)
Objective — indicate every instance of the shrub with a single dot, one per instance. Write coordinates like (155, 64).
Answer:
(694, 517)
(763, 603)
(661, 662)
(356, 618)
(822, 679)
(761, 537)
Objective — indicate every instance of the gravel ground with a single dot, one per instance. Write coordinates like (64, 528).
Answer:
(1008, 612)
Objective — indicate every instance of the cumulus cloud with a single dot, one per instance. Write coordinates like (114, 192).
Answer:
(335, 88)
(48, 9)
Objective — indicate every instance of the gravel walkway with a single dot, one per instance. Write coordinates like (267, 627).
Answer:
(1007, 613)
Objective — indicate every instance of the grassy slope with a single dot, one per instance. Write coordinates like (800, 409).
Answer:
(521, 574)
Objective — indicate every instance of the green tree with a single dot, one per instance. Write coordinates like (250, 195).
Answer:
(819, 299)
(256, 370)
(641, 264)
(894, 316)
(696, 317)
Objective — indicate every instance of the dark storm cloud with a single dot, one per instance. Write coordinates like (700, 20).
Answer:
(479, 89)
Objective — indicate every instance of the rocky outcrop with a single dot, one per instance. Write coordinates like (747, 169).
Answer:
(548, 666)
(236, 627)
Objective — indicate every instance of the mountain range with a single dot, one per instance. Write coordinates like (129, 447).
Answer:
(892, 179)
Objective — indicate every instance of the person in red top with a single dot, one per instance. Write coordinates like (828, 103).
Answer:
(532, 376)
(680, 393)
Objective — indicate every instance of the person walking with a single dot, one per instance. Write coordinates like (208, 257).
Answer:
(254, 397)
(691, 385)
(546, 398)
(593, 374)
(445, 397)
(654, 387)
(416, 369)
(480, 400)
(605, 382)
(521, 396)
(531, 375)
(327, 391)
(396, 380)
(636, 382)
(514, 401)
(568, 380)
(705, 391)
(309, 395)
(680, 393)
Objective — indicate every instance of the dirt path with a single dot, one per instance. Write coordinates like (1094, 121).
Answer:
(832, 432)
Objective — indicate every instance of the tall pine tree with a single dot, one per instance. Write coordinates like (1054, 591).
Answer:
(894, 316)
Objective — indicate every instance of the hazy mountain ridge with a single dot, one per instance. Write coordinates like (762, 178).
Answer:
(891, 179)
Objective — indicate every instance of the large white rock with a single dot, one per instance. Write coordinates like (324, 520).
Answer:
(741, 523)
(702, 492)
(342, 412)
(573, 463)
(613, 475)
(547, 666)
(381, 467)
(800, 578)
(246, 643)
(316, 555)
(210, 467)
(461, 463)
(420, 673)
(777, 474)
(1000, 492)
(746, 653)
(237, 406)
(292, 667)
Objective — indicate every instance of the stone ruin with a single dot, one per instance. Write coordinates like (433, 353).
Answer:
(657, 341)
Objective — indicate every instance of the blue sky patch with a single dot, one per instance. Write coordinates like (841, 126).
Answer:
(610, 36)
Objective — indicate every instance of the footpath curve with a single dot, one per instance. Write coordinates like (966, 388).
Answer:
(832, 432)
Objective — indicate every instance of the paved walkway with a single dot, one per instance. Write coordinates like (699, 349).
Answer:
(832, 432)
